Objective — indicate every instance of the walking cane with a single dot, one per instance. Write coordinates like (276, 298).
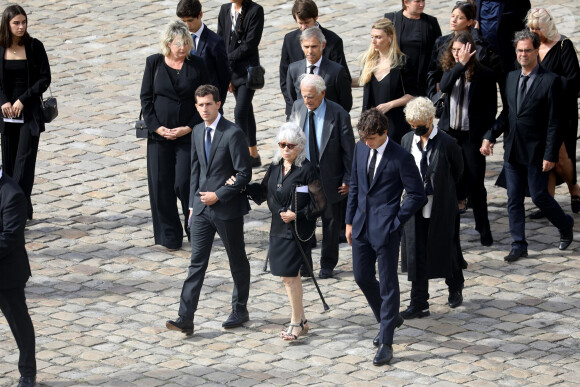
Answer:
(308, 267)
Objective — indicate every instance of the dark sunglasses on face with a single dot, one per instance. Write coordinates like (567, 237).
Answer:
(283, 145)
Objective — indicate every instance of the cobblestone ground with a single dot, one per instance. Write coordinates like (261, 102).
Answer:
(101, 291)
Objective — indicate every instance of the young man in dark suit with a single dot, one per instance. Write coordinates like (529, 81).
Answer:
(375, 217)
(208, 45)
(329, 146)
(336, 78)
(219, 150)
(530, 123)
(14, 272)
(305, 13)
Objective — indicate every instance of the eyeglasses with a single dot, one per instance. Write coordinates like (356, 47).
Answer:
(283, 145)
(527, 50)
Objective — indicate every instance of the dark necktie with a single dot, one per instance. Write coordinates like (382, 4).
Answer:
(522, 91)
(312, 144)
(193, 47)
(312, 69)
(372, 165)
(207, 143)
(459, 105)
(424, 165)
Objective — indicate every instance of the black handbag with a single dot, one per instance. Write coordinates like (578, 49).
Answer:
(141, 130)
(255, 77)
(49, 108)
(439, 102)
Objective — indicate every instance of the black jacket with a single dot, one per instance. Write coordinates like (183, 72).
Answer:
(212, 50)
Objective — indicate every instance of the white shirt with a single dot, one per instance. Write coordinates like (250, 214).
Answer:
(417, 155)
(196, 35)
(213, 126)
(234, 15)
(380, 151)
(316, 69)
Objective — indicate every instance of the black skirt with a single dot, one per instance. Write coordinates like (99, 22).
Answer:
(285, 258)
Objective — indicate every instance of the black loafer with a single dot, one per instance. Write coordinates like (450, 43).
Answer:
(376, 340)
(384, 355)
(566, 237)
(181, 325)
(27, 381)
(236, 319)
(537, 215)
(325, 273)
(455, 299)
(414, 312)
(514, 255)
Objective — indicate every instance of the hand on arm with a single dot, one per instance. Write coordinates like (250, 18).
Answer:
(209, 198)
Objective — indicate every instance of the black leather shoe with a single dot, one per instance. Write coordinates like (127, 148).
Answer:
(325, 273)
(414, 312)
(537, 215)
(376, 340)
(384, 355)
(514, 255)
(455, 299)
(27, 381)
(236, 319)
(181, 325)
(566, 237)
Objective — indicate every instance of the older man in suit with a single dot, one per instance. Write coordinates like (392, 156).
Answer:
(219, 149)
(14, 272)
(305, 13)
(530, 123)
(208, 45)
(374, 219)
(336, 78)
(330, 144)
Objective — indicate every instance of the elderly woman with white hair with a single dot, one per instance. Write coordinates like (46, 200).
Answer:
(558, 55)
(168, 103)
(430, 245)
(295, 197)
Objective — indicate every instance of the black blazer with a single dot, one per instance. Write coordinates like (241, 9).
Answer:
(338, 88)
(14, 266)
(166, 104)
(229, 156)
(482, 100)
(533, 134)
(292, 52)
(242, 49)
(211, 48)
(336, 148)
(430, 31)
(38, 82)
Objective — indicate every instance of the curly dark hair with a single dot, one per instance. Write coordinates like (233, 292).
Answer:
(372, 122)
(447, 59)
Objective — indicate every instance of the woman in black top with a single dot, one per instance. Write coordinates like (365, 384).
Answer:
(240, 25)
(291, 182)
(168, 102)
(24, 76)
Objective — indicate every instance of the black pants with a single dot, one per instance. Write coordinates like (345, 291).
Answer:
(244, 112)
(13, 306)
(19, 150)
(168, 173)
(330, 231)
(231, 232)
(420, 287)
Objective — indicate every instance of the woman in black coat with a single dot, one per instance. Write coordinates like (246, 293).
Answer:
(24, 76)
(470, 109)
(240, 25)
(168, 102)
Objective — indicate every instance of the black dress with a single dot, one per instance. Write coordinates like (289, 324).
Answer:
(279, 191)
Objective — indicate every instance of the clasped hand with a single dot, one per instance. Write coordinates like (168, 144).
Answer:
(173, 134)
(11, 111)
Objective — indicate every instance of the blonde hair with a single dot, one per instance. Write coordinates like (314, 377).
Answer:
(419, 110)
(174, 30)
(539, 18)
(370, 59)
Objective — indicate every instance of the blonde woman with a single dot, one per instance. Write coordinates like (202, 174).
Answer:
(388, 83)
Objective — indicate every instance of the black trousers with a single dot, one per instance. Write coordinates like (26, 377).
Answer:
(244, 112)
(13, 306)
(420, 287)
(168, 173)
(330, 231)
(231, 232)
(19, 150)
(471, 182)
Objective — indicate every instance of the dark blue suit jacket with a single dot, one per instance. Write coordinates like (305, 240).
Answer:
(212, 50)
(378, 205)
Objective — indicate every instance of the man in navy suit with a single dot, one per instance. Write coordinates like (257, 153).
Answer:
(532, 140)
(375, 217)
(219, 150)
(208, 45)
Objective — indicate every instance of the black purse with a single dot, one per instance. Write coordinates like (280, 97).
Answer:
(255, 77)
(141, 130)
(49, 108)
(439, 102)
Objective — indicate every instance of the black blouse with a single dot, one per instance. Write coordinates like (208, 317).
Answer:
(561, 59)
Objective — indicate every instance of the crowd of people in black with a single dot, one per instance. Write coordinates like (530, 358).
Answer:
(401, 188)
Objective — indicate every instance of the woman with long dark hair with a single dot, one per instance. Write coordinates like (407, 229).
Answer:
(24, 76)
(240, 25)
